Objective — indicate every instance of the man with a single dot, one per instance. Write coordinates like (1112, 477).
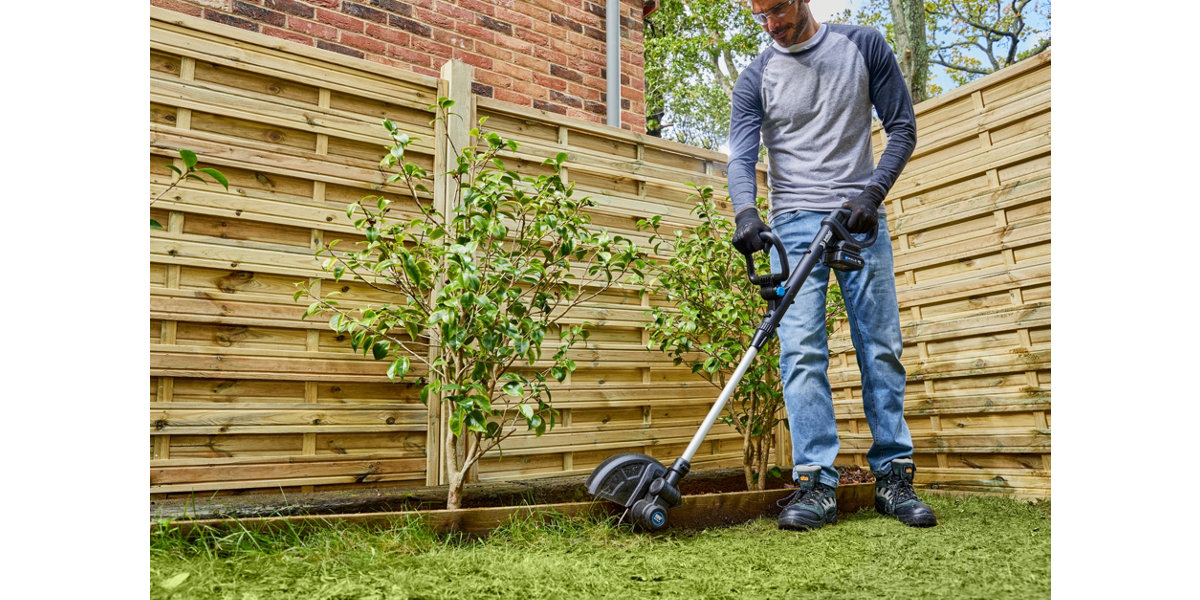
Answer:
(808, 97)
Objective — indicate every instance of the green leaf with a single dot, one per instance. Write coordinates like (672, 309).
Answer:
(493, 430)
(526, 411)
(514, 388)
(380, 350)
(174, 168)
(155, 224)
(189, 158)
(215, 174)
(398, 369)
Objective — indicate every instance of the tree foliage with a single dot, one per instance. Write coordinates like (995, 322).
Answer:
(967, 38)
(695, 50)
(476, 293)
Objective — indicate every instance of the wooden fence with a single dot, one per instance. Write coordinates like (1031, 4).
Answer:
(970, 226)
(245, 395)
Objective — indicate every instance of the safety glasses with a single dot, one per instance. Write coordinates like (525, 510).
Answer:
(775, 11)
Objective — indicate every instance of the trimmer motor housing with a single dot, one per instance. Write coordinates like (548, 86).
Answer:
(640, 484)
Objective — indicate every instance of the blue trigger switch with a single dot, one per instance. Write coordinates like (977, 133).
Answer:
(781, 291)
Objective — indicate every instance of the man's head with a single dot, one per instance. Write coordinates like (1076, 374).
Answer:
(788, 22)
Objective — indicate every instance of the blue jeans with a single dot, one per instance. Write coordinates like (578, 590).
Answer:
(870, 295)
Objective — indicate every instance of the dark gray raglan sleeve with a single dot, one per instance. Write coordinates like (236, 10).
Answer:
(889, 95)
(745, 128)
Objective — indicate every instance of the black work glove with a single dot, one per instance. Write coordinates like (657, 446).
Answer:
(749, 225)
(864, 210)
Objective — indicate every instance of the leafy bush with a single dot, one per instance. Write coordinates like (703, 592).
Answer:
(487, 283)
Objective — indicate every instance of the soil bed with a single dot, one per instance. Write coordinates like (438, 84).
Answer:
(491, 494)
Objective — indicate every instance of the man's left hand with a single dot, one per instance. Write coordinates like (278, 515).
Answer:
(864, 210)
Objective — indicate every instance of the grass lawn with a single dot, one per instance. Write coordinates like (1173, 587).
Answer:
(981, 548)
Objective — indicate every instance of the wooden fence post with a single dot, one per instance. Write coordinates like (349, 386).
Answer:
(451, 135)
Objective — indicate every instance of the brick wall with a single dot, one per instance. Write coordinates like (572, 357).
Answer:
(548, 54)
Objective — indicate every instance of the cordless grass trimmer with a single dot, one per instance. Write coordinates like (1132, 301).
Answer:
(641, 484)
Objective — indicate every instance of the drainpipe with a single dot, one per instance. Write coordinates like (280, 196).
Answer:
(612, 13)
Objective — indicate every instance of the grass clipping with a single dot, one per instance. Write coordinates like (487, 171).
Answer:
(982, 547)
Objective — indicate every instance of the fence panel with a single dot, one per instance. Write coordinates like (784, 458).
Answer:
(244, 394)
(970, 227)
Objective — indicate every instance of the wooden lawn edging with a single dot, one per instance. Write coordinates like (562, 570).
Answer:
(697, 512)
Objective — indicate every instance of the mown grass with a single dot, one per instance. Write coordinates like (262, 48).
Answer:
(981, 548)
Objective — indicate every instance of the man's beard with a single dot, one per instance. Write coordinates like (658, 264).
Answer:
(798, 28)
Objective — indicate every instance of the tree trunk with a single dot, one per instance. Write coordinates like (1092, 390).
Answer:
(912, 49)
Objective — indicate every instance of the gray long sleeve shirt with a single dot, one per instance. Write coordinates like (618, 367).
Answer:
(810, 105)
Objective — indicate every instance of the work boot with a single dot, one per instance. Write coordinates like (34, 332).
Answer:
(894, 495)
(811, 506)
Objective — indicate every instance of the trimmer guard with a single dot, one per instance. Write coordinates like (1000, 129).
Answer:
(624, 478)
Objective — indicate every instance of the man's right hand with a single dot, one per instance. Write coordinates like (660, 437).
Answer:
(749, 225)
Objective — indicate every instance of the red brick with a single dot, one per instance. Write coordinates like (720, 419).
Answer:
(363, 42)
(588, 68)
(550, 82)
(530, 89)
(344, 22)
(287, 35)
(545, 28)
(594, 57)
(514, 44)
(583, 91)
(565, 48)
(555, 53)
(533, 37)
(179, 7)
(508, 69)
(421, 3)
(584, 41)
(512, 97)
(549, 106)
(481, 62)
(433, 48)
(388, 34)
(478, 33)
(496, 80)
(576, 113)
(477, 6)
(495, 52)
(326, 3)
(458, 41)
(536, 13)
(454, 12)
(313, 29)
(584, 17)
(435, 19)
(409, 55)
(533, 63)
(595, 82)
(514, 17)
